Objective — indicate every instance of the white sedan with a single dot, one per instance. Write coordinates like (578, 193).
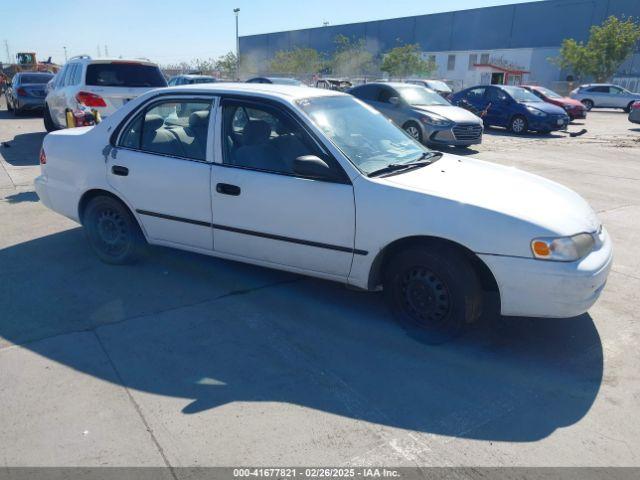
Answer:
(316, 182)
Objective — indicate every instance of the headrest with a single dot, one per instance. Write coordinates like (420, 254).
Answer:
(152, 122)
(256, 132)
(199, 119)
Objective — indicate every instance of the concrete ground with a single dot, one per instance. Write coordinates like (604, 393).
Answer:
(186, 360)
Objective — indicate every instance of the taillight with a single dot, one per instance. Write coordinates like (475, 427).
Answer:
(90, 99)
(43, 157)
(636, 106)
(21, 92)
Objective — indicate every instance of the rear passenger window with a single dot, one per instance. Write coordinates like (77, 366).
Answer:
(263, 138)
(175, 128)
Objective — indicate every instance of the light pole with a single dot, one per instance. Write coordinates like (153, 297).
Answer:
(65, 54)
(237, 12)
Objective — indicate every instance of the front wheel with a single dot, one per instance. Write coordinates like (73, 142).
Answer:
(433, 292)
(413, 130)
(518, 125)
(112, 231)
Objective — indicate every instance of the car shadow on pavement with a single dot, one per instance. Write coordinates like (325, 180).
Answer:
(24, 149)
(209, 332)
(500, 132)
(22, 197)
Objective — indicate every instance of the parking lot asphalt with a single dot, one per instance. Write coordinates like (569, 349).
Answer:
(186, 360)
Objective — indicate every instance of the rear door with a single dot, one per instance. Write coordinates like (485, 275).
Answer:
(118, 82)
(599, 95)
(161, 167)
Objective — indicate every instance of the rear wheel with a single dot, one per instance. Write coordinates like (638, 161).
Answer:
(588, 104)
(433, 292)
(49, 125)
(414, 130)
(112, 231)
(628, 107)
(518, 125)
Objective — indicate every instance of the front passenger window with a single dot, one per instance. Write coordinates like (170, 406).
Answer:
(263, 138)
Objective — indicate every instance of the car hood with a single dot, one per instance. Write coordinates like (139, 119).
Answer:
(569, 101)
(450, 112)
(550, 207)
(545, 107)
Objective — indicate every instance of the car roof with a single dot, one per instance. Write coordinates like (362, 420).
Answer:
(284, 92)
(193, 75)
(89, 60)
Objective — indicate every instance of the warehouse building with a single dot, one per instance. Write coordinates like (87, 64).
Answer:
(507, 44)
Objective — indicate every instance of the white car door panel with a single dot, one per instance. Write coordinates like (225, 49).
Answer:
(286, 220)
(262, 209)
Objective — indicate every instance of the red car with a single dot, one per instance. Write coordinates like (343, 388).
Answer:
(574, 108)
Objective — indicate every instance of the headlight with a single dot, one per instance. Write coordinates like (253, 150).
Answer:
(436, 121)
(563, 249)
(536, 112)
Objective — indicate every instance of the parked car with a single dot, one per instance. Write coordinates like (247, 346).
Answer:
(277, 81)
(634, 114)
(191, 79)
(422, 113)
(515, 108)
(574, 108)
(100, 85)
(605, 95)
(436, 85)
(318, 183)
(26, 91)
(339, 84)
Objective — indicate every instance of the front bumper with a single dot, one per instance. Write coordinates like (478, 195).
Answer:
(538, 288)
(548, 123)
(577, 114)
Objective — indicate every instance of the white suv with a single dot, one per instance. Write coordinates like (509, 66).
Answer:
(103, 85)
(605, 95)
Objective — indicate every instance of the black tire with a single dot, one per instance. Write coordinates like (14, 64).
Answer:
(588, 104)
(414, 130)
(628, 107)
(433, 292)
(49, 124)
(112, 231)
(9, 107)
(518, 125)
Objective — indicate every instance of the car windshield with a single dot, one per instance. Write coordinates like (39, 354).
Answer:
(520, 94)
(439, 85)
(286, 81)
(42, 78)
(421, 96)
(366, 137)
(124, 74)
(548, 93)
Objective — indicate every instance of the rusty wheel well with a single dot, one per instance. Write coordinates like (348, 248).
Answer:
(90, 195)
(376, 275)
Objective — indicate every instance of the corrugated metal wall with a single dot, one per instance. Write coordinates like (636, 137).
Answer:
(525, 25)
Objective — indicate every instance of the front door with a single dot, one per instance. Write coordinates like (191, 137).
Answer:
(497, 105)
(262, 209)
(160, 167)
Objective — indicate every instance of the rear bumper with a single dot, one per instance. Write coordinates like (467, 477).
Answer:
(537, 288)
(30, 103)
(40, 185)
(634, 116)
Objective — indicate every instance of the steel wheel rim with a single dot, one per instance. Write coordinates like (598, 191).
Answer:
(112, 232)
(425, 297)
(413, 131)
(518, 125)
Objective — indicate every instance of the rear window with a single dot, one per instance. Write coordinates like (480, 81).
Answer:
(124, 75)
(24, 79)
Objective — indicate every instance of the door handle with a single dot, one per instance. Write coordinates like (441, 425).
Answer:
(227, 189)
(120, 170)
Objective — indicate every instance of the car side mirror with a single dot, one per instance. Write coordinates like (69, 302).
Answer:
(395, 101)
(313, 167)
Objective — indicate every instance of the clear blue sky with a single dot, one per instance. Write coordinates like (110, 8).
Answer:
(176, 30)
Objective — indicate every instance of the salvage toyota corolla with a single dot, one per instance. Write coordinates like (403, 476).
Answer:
(316, 182)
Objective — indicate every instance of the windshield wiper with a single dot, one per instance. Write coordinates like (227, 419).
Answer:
(418, 162)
